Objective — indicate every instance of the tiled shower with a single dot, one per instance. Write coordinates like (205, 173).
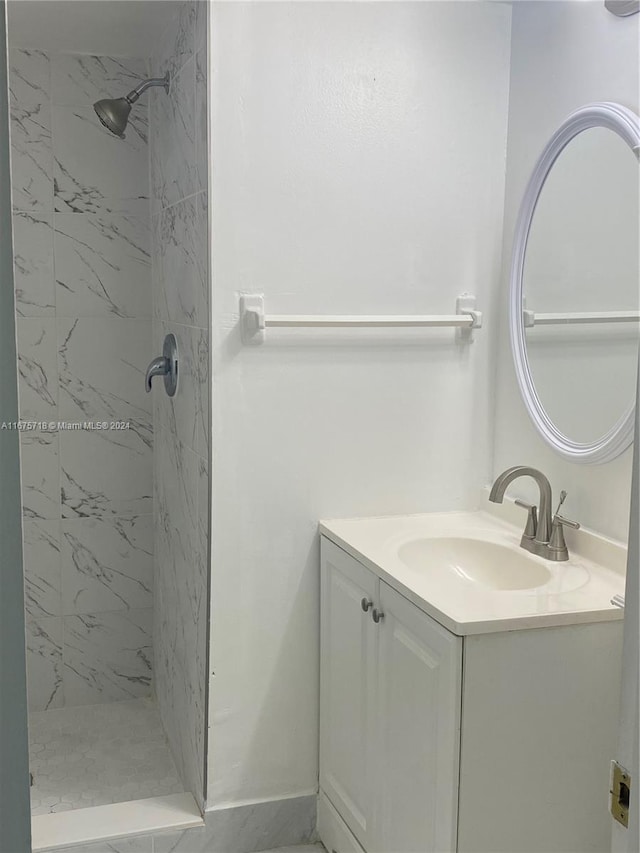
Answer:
(110, 246)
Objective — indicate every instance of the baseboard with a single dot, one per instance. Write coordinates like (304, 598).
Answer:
(248, 828)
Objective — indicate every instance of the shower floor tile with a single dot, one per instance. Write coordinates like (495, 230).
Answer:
(92, 755)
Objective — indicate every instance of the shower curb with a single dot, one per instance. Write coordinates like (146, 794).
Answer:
(83, 827)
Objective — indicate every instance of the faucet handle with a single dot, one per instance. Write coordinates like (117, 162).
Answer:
(560, 519)
(531, 526)
(563, 497)
(557, 544)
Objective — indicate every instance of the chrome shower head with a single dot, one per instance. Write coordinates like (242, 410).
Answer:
(114, 112)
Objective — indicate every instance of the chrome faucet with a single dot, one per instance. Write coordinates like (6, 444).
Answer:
(543, 535)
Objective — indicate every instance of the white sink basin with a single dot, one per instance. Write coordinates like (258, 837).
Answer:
(468, 571)
(489, 564)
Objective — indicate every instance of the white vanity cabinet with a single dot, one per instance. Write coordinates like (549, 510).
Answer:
(347, 689)
(436, 743)
(390, 712)
(417, 729)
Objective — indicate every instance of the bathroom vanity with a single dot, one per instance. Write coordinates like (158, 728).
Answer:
(469, 691)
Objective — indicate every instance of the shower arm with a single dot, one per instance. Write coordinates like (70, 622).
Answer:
(133, 96)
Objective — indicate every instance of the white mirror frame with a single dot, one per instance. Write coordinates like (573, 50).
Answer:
(626, 124)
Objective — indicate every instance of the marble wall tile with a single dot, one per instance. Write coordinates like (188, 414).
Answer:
(203, 531)
(172, 148)
(201, 361)
(42, 575)
(180, 256)
(202, 150)
(37, 368)
(29, 77)
(105, 474)
(176, 492)
(95, 171)
(98, 317)
(202, 24)
(197, 840)
(40, 475)
(79, 79)
(107, 564)
(196, 693)
(29, 92)
(176, 581)
(180, 596)
(190, 705)
(203, 303)
(33, 264)
(186, 415)
(177, 44)
(102, 364)
(191, 420)
(246, 829)
(183, 713)
(162, 525)
(202, 228)
(31, 157)
(264, 825)
(103, 265)
(44, 663)
(178, 158)
(107, 656)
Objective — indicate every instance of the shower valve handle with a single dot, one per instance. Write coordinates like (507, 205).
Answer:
(165, 365)
(158, 367)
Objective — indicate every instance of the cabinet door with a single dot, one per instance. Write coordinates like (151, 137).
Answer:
(347, 668)
(417, 731)
(333, 831)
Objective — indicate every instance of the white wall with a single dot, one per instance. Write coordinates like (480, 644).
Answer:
(564, 55)
(358, 168)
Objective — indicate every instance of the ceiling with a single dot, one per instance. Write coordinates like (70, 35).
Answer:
(107, 27)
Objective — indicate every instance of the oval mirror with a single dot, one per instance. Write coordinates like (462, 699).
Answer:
(574, 286)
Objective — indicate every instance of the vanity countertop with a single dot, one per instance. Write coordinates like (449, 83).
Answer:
(576, 591)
